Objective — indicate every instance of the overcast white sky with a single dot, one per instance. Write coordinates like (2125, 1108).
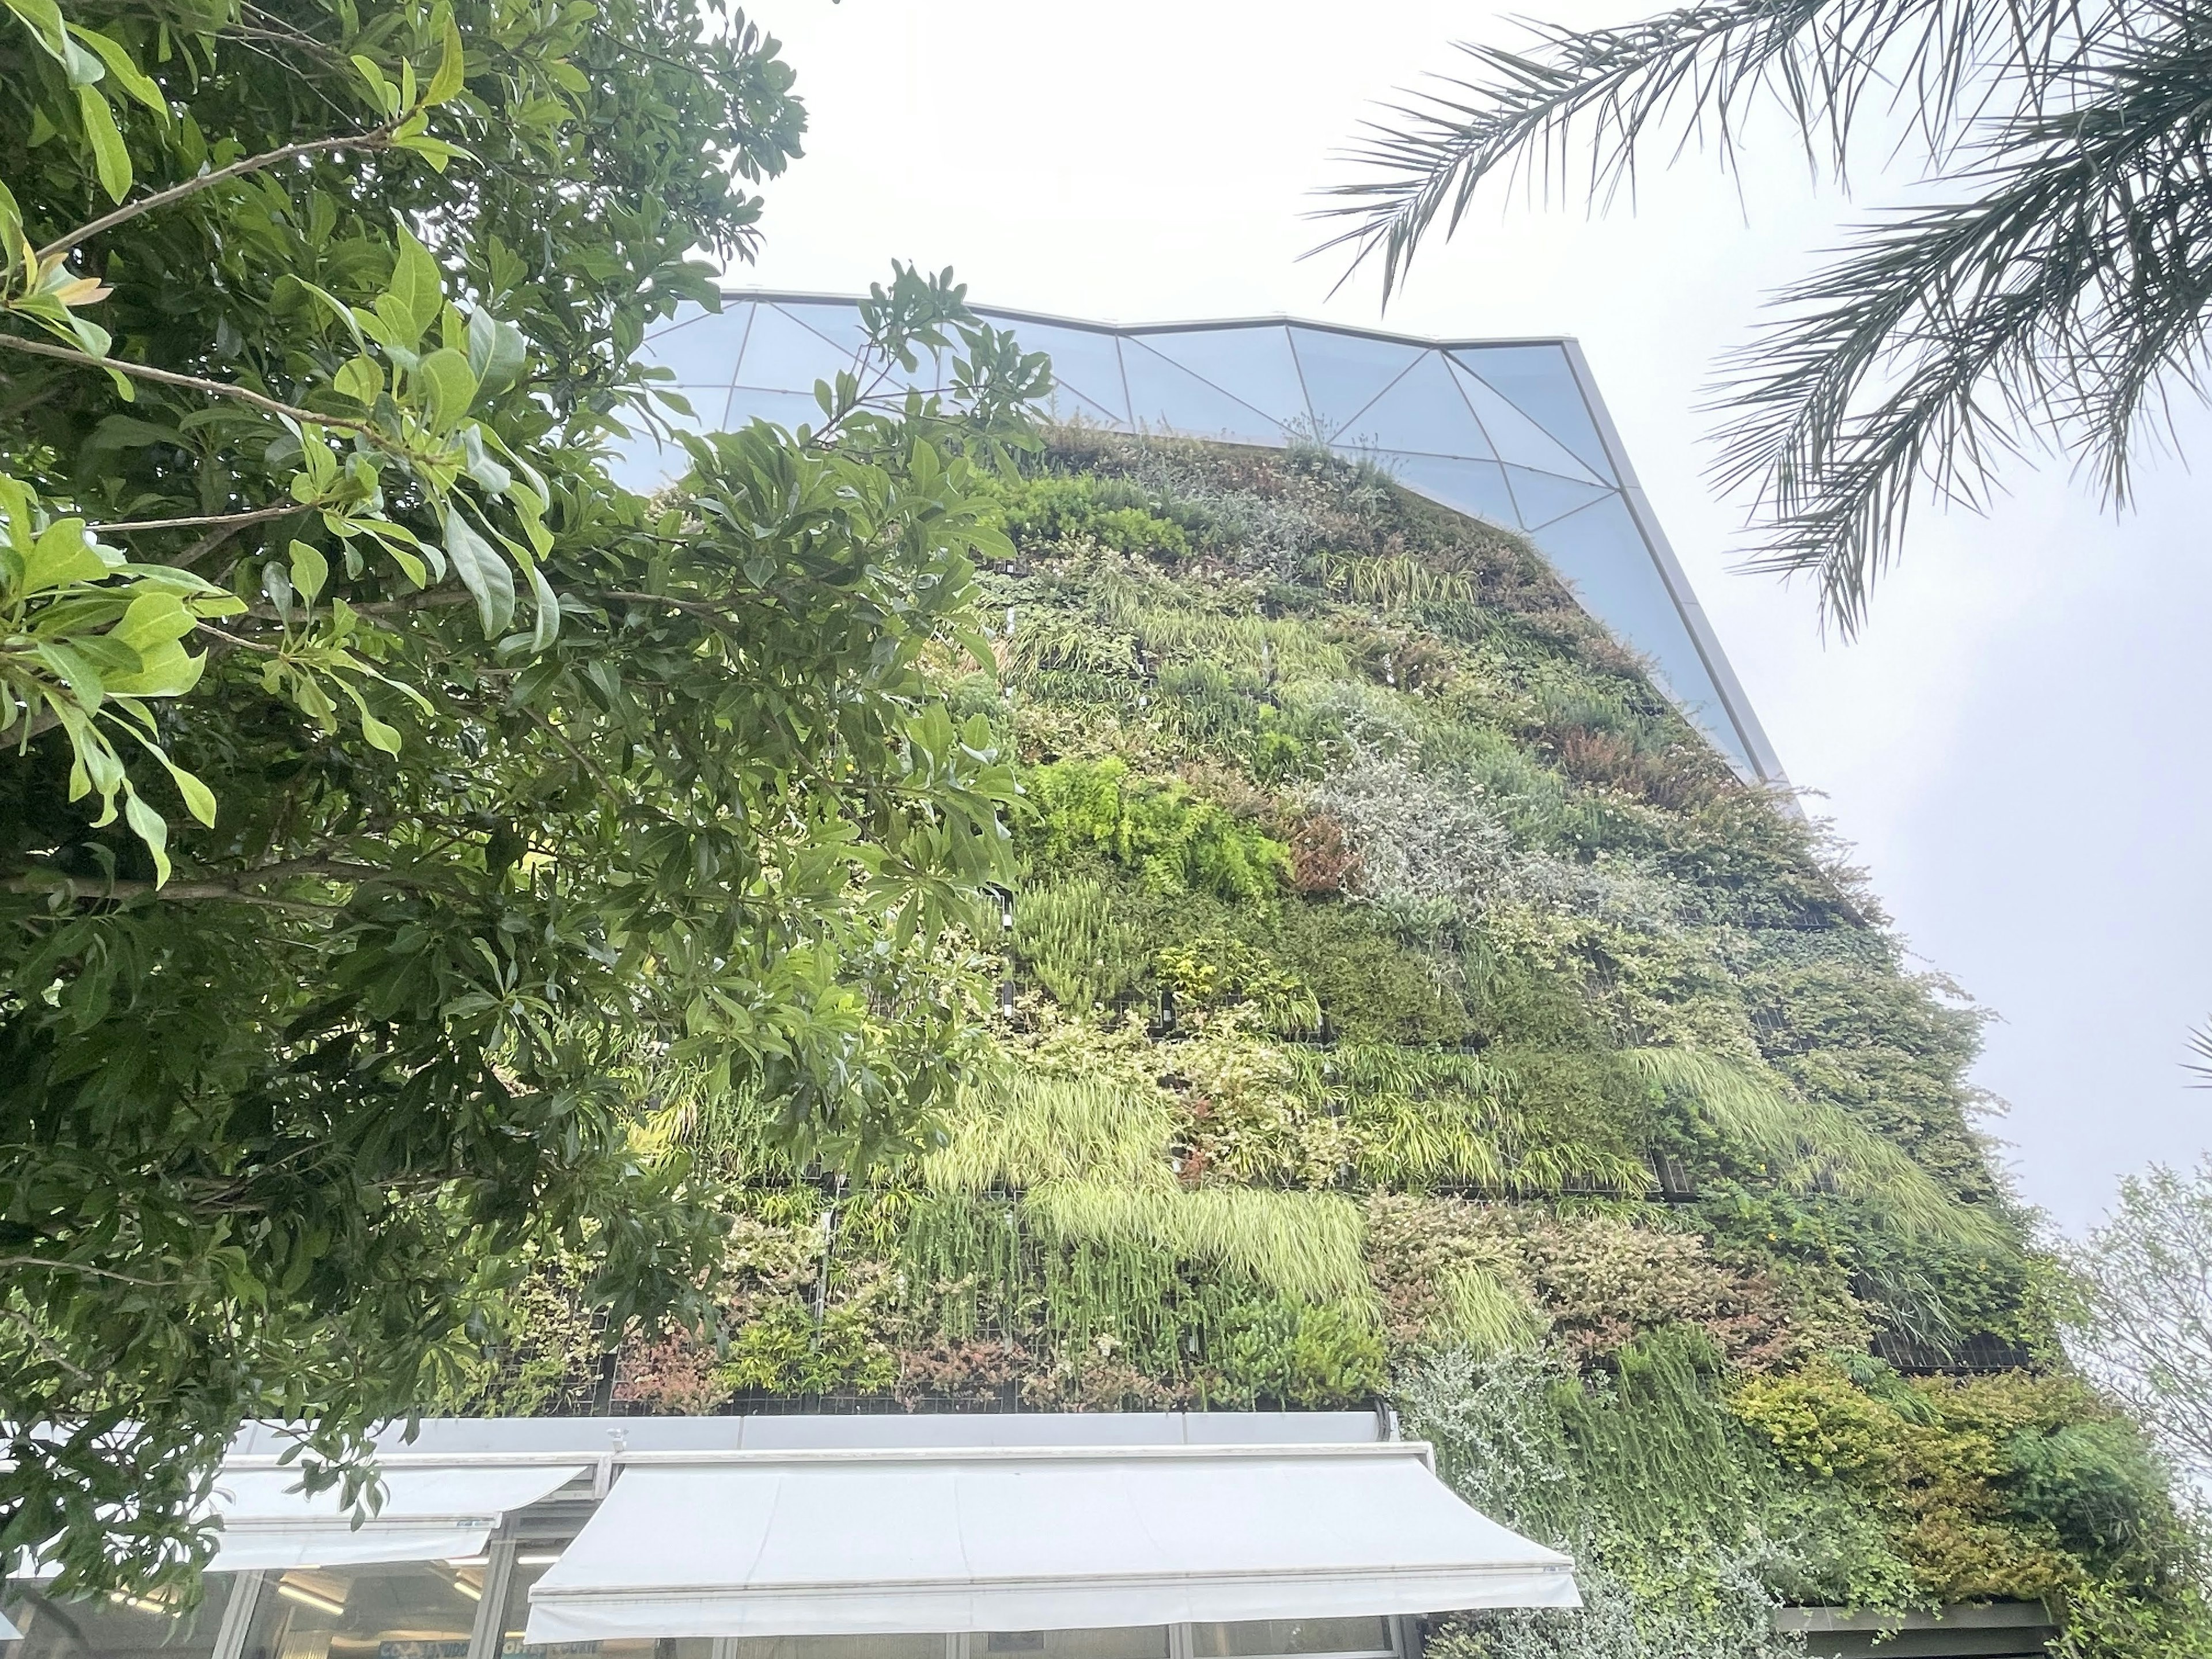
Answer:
(2014, 747)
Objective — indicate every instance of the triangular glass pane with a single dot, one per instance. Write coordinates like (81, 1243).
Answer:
(1252, 364)
(1162, 397)
(1544, 496)
(783, 355)
(1538, 381)
(1423, 411)
(788, 409)
(837, 321)
(1475, 488)
(1085, 361)
(702, 347)
(1345, 373)
(1517, 439)
(1604, 557)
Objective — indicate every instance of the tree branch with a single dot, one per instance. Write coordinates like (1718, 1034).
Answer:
(378, 137)
(234, 521)
(194, 383)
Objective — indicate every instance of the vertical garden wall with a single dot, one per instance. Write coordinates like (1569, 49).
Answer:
(1400, 1003)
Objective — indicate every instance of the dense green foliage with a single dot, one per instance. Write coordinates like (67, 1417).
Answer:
(389, 800)
(1378, 927)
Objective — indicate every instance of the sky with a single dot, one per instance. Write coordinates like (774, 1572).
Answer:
(2012, 747)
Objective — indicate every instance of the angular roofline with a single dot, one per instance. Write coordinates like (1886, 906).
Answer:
(1735, 703)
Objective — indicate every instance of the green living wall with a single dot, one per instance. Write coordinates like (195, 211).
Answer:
(1401, 1002)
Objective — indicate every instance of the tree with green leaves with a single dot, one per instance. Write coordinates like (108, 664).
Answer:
(389, 801)
(2051, 285)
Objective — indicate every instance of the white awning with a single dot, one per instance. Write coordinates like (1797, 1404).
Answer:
(429, 1515)
(8, 1632)
(884, 1541)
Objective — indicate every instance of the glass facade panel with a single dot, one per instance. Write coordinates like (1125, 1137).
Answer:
(784, 355)
(1163, 397)
(112, 1627)
(702, 347)
(1475, 488)
(1137, 1642)
(1600, 551)
(1253, 364)
(840, 1647)
(1538, 381)
(1344, 372)
(1086, 365)
(1258, 1637)
(393, 1610)
(837, 321)
(1424, 410)
(1516, 438)
(1544, 496)
(530, 1566)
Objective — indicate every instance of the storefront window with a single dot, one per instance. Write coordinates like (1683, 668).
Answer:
(393, 1610)
(842, 1647)
(112, 1627)
(1259, 1638)
(529, 1567)
(1137, 1642)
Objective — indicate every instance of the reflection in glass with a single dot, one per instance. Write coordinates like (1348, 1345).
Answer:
(1263, 1636)
(391, 1610)
(842, 1647)
(112, 1627)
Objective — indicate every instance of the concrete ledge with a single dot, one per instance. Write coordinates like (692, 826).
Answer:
(1996, 1630)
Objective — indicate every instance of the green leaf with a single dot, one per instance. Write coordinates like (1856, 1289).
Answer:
(482, 571)
(109, 153)
(151, 828)
(452, 68)
(416, 288)
(546, 624)
(310, 571)
(44, 18)
(497, 353)
(452, 387)
(61, 555)
(360, 379)
(127, 74)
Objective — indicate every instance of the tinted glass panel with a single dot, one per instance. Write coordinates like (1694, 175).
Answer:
(1475, 488)
(784, 353)
(1274, 1636)
(530, 1566)
(1253, 364)
(1086, 366)
(1517, 438)
(1544, 496)
(1165, 397)
(106, 1627)
(1423, 411)
(1600, 552)
(701, 347)
(1538, 381)
(1344, 374)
